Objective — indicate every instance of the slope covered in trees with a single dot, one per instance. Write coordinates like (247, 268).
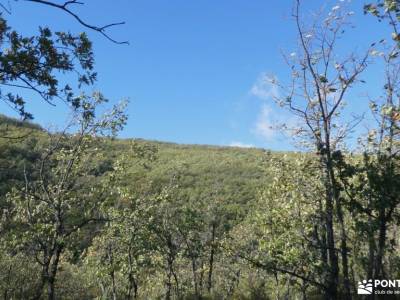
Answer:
(84, 215)
(213, 190)
(147, 220)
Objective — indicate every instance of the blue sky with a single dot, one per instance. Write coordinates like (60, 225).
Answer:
(191, 65)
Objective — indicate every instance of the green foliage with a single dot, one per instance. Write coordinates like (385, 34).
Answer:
(34, 62)
(88, 216)
(182, 221)
(45, 215)
(281, 233)
(154, 199)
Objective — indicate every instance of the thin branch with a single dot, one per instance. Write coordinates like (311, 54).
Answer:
(5, 8)
(65, 8)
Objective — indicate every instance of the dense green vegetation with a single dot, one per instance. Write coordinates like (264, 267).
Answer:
(200, 193)
(84, 215)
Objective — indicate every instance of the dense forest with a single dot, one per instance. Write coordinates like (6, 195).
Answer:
(87, 215)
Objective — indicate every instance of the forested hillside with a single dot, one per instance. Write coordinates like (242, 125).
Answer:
(149, 220)
(210, 191)
(85, 214)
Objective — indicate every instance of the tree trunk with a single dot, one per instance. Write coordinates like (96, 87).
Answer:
(132, 282)
(195, 283)
(54, 270)
(344, 251)
(112, 273)
(176, 284)
(304, 286)
(5, 294)
(132, 287)
(211, 261)
(333, 271)
(321, 237)
(169, 278)
(53, 273)
(44, 276)
(114, 289)
(379, 271)
(371, 250)
(201, 279)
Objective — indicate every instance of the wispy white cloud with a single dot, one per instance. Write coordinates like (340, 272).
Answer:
(241, 145)
(263, 88)
(264, 124)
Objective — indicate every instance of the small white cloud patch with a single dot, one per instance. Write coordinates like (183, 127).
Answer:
(241, 145)
(264, 88)
(263, 127)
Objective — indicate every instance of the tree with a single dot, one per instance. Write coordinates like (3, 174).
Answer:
(282, 233)
(382, 159)
(316, 95)
(34, 63)
(372, 183)
(166, 229)
(50, 211)
(121, 255)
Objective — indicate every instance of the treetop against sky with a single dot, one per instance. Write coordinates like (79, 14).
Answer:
(196, 71)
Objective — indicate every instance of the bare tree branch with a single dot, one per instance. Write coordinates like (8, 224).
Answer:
(65, 7)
